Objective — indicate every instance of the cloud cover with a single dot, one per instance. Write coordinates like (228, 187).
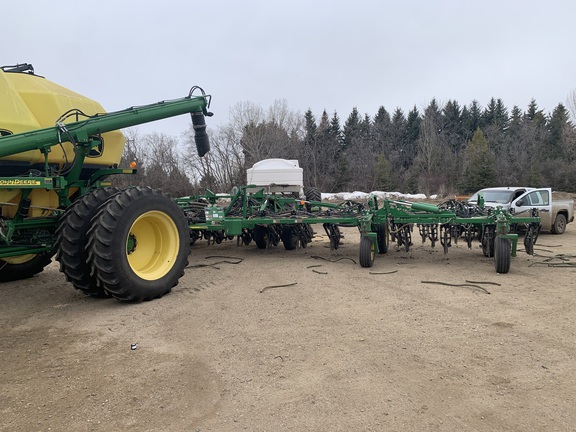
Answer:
(332, 55)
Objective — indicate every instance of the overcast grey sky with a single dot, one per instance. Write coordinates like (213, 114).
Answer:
(322, 54)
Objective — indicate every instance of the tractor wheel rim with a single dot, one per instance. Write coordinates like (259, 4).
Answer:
(152, 245)
(20, 259)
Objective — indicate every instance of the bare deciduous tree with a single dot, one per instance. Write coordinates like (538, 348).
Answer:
(158, 161)
(220, 169)
(571, 102)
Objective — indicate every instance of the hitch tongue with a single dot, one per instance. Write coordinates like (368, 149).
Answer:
(200, 135)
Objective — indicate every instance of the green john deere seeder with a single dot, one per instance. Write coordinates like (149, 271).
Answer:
(268, 219)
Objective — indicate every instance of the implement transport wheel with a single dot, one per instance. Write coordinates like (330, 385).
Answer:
(139, 244)
(71, 239)
(289, 237)
(261, 236)
(559, 224)
(367, 252)
(382, 237)
(502, 254)
(23, 266)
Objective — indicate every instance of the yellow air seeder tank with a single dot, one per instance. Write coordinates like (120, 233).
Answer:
(29, 102)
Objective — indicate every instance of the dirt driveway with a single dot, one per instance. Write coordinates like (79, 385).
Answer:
(340, 348)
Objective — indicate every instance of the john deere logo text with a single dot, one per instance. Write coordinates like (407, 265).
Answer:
(19, 182)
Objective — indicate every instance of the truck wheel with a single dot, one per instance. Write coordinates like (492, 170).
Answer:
(559, 224)
(23, 266)
(367, 252)
(71, 239)
(502, 254)
(289, 237)
(261, 236)
(138, 245)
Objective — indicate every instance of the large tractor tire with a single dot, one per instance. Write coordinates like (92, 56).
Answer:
(138, 245)
(72, 236)
(312, 194)
(23, 266)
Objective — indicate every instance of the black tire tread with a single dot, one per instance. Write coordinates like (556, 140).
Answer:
(502, 255)
(72, 235)
(313, 194)
(559, 226)
(382, 237)
(366, 252)
(260, 236)
(289, 237)
(13, 272)
(106, 262)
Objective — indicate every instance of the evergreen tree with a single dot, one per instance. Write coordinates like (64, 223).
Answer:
(502, 119)
(310, 127)
(466, 120)
(496, 115)
(384, 176)
(515, 120)
(382, 130)
(352, 129)
(535, 115)
(342, 176)
(335, 131)
(474, 118)
(480, 172)
(452, 127)
(312, 154)
(558, 127)
(412, 133)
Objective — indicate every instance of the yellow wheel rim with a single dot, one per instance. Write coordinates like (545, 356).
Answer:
(20, 259)
(152, 245)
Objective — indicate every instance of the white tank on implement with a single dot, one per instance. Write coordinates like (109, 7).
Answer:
(276, 176)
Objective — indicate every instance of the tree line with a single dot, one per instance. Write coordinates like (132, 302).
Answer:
(442, 149)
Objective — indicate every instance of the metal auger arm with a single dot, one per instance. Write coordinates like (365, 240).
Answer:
(82, 132)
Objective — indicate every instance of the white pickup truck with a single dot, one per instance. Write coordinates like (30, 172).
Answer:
(555, 214)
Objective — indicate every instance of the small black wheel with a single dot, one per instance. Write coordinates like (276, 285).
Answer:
(138, 245)
(246, 238)
(445, 239)
(407, 237)
(23, 266)
(559, 226)
(367, 252)
(261, 236)
(529, 242)
(71, 239)
(289, 237)
(307, 235)
(382, 237)
(488, 242)
(502, 254)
